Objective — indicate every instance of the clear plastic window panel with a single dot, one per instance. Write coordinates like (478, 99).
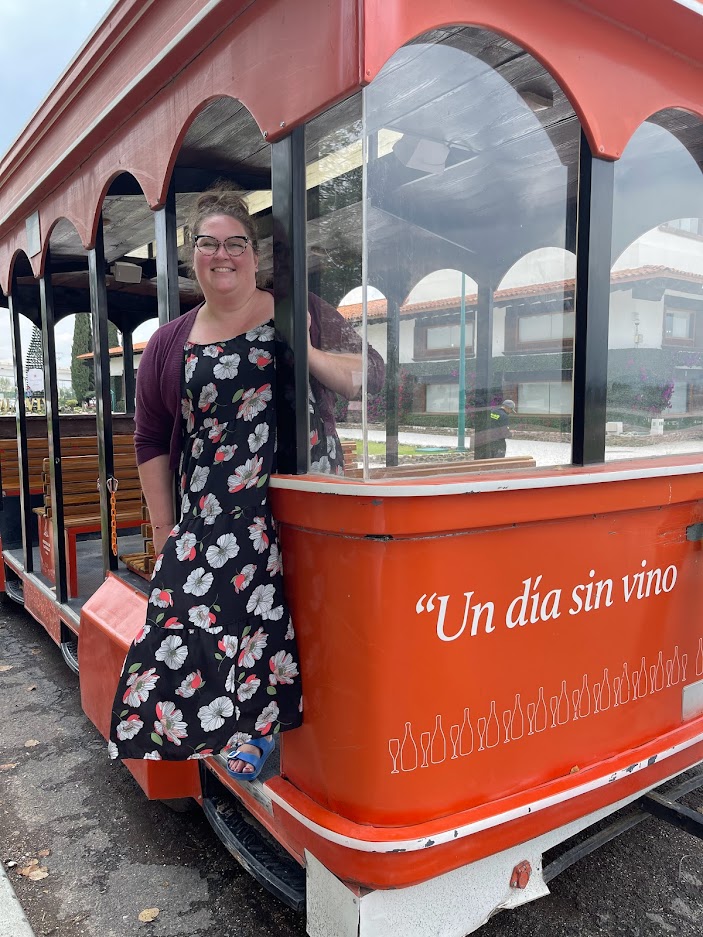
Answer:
(655, 337)
(468, 258)
(334, 235)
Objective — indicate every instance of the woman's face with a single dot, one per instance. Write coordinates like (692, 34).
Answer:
(219, 275)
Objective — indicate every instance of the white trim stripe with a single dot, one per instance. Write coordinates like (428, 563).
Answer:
(486, 823)
(476, 485)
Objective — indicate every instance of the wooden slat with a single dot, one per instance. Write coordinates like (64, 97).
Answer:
(425, 469)
(94, 519)
(91, 514)
(89, 486)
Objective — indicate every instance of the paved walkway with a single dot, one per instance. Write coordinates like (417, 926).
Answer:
(544, 453)
(13, 921)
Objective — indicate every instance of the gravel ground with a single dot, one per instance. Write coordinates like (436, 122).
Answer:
(113, 854)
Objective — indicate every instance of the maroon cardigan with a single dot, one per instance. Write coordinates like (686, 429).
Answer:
(157, 417)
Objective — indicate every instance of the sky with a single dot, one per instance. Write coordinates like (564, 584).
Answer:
(38, 39)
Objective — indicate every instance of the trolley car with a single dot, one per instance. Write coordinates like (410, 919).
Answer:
(506, 201)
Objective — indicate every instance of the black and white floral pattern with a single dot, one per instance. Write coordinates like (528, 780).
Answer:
(216, 660)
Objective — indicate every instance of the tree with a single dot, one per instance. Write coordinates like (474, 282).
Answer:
(81, 371)
(113, 336)
(35, 355)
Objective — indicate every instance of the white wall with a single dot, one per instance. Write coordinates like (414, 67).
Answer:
(663, 248)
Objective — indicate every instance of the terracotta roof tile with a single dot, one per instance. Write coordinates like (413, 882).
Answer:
(377, 307)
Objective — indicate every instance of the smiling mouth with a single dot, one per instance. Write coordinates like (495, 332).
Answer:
(222, 269)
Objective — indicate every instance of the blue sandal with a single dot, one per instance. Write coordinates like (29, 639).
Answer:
(265, 744)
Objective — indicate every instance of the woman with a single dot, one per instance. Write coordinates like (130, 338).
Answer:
(216, 662)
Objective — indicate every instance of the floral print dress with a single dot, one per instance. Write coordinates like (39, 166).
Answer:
(216, 663)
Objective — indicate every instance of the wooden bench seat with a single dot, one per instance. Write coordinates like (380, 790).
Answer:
(426, 469)
(81, 505)
(81, 496)
(38, 451)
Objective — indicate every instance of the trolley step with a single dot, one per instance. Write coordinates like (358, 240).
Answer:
(69, 652)
(251, 845)
(14, 590)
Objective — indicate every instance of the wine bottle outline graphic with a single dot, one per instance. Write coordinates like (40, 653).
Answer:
(408, 750)
(438, 745)
(466, 735)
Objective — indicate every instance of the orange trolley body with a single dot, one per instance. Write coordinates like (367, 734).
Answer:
(493, 660)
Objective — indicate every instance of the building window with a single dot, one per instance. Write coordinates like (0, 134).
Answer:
(554, 327)
(442, 398)
(443, 341)
(449, 336)
(538, 331)
(544, 397)
(679, 327)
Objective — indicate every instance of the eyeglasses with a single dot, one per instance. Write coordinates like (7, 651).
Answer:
(234, 246)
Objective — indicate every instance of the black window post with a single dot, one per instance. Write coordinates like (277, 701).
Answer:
(48, 323)
(290, 282)
(22, 447)
(128, 369)
(484, 366)
(103, 399)
(393, 303)
(167, 291)
(592, 302)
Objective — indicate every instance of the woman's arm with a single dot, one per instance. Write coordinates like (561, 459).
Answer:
(340, 372)
(157, 484)
(339, 369)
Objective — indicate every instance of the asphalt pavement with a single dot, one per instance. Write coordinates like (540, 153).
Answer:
(109, 854)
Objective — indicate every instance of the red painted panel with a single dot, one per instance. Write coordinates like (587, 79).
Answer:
(109, 621)
(614, 76)
(43, 608)
(46, 547)
(447, 670)
(266, 56)
(412, 514)
(399, 869)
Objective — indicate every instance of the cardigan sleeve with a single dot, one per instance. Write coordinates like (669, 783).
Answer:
(332, 332)
(153, 422)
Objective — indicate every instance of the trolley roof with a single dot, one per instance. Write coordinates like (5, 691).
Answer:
(163, 88)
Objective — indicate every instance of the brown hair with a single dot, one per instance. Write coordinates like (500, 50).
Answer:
(219, 199)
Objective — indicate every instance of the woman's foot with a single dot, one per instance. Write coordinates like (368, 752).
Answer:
(247, 760)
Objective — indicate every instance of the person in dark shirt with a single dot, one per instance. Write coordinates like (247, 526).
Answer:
(499, 429)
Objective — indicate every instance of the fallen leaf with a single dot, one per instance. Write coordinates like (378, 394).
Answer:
(36, 650)
(5, 667)
(29, 868)
(43, 853)
(38, 874)
(31, 743)
(148, 914)
(30, 688)
(9, 767)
